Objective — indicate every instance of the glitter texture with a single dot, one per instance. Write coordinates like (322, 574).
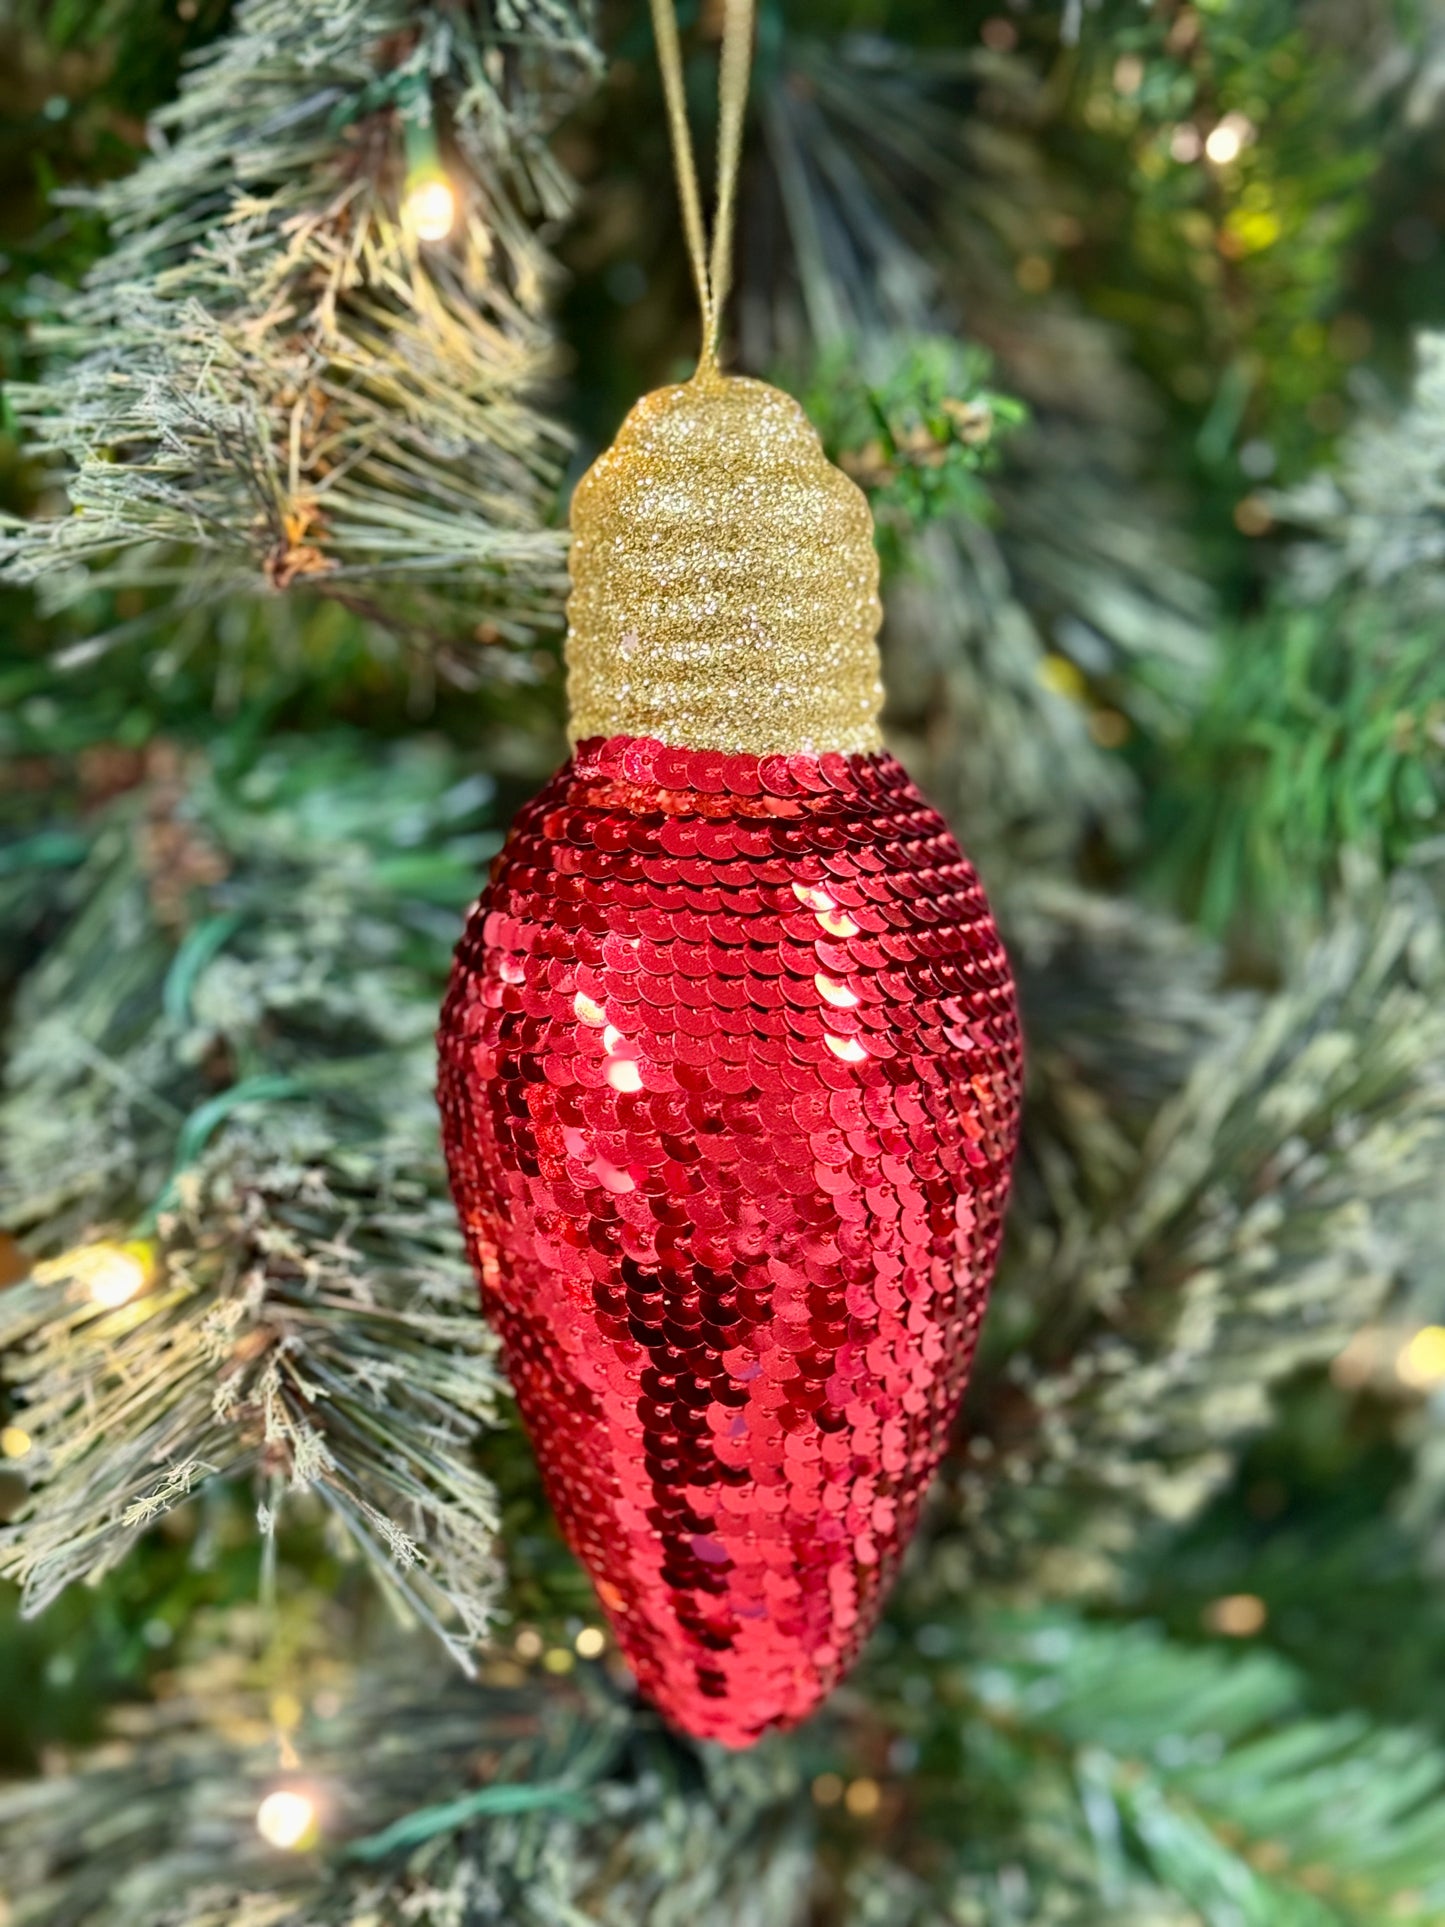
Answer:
(724, 580)
(730, 1074)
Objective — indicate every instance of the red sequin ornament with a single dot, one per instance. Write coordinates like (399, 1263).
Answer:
(730, 1074)
(730, 1061)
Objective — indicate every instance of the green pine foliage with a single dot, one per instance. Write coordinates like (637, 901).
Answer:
(1057, 1771)
(1237, 250)
(915, 440)
(1200, 1780)
(1323, 744)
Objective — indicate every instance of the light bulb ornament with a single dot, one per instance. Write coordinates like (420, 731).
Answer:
(730, 1062)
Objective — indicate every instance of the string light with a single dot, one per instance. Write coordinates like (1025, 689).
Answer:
(109, 1274)
(288, 1818)
(1421, 1362)
(14, 1442)
(590, 1642)
(1239, 1615)
(429, 208)
(117, 1276)
(429, 201)
(1226, 142)
(863, 1797)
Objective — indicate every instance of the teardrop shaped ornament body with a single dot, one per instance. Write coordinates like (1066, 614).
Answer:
(730, 1075)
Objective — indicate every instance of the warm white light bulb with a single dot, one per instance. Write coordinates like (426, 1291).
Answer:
(1226, 141)
(1421, 1362)
(430, 208)
(113, 1276)
(286, 1818)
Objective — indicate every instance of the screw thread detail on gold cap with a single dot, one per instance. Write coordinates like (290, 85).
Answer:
(724, 580)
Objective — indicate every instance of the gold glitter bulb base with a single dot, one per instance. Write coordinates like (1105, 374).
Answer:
(724, 581)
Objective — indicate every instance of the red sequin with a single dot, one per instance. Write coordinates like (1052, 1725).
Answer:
(730, 1072)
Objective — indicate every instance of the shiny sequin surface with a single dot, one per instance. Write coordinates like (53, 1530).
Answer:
(724, 580)
(730, 1075)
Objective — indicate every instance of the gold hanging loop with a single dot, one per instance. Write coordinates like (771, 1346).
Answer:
(714, 279)
(724, 577)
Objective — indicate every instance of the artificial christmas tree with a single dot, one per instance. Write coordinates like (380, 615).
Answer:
(1164, 1647)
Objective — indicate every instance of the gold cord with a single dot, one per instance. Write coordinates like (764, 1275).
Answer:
(712, 281)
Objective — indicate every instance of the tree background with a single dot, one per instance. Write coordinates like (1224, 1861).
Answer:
(1125, 316)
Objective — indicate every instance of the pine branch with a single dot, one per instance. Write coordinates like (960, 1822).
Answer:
(1051, 1771)
(1374, 523)
(1174, 1261)
(226, 1059)
(1020, 654)
(1322, 740)
(438, 1801)
(1322, 745)
(996, 729)
(270, 380)
(309, 1321)
(1199, 1776)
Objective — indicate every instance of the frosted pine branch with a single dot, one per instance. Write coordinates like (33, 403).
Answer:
(1376, 522)
(1187, 1251)
(270, 380)
(254, 1353)
(224, 1063)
